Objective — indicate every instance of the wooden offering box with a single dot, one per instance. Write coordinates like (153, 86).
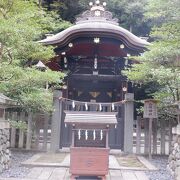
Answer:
(89, 153)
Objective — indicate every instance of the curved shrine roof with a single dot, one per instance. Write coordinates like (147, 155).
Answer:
(96, 23)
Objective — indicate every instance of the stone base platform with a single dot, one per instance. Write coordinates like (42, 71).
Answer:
(116, 161)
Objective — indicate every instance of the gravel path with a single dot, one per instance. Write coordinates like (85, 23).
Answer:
(161, 163)
(16, 169)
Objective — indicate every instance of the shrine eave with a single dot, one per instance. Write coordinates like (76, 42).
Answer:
(94, 29)
(6, 101)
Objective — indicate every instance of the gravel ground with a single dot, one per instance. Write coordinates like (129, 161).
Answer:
(16, 169)
(161, 163)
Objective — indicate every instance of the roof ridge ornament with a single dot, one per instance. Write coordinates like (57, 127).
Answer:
(97, 5)
(97, 13)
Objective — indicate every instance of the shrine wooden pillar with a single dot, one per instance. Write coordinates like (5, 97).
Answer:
(128, 122)
(56, 121)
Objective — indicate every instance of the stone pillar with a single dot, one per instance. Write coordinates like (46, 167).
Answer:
(29, 131)
(56, 121)
(21, 132)
(174, 157)
(4, 145)
(128, 122)
(45, 134)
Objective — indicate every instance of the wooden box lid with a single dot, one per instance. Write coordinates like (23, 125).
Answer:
(90, 118)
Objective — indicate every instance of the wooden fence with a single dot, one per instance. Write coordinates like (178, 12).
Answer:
(38, 133)
(29, 131)
(161, 136)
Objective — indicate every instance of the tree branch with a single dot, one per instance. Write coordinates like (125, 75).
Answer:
(9, 55)
(171, 89)
(2, 79)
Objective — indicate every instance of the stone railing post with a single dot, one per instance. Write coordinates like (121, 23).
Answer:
(4, 145)
(56, 121)
(174, 157)
(128, 122)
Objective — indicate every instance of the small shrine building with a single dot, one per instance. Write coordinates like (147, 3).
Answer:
(94, 51)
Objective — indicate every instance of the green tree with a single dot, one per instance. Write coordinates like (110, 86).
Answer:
(161, 63)
(129, 13)
(22, 24)
(67, 9)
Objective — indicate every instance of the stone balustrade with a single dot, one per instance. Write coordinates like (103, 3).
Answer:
(5, 154)
(174, 158)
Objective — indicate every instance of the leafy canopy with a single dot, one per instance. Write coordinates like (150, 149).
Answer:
(162, 62)
(130, 13)
(22, 24)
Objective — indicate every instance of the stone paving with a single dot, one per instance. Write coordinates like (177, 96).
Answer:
(47, 166)
(50, 173)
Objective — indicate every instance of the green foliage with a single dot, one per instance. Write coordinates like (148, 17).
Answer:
(165, 10)
(161, 63)
(22, 24)
(29, 24)
(37, 100)
(28, 87)
(130, 13)
(138, 73)
(18, 124)
(67, 9)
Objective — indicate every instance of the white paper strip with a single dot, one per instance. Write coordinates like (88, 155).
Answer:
(95, 63)
(86, 134)
(65, 125)
(100, 107)
(79, 134)
(73, 104)
(112, 106)
(101, 134)
(94, 135)
(65, 60)
(86, 106)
